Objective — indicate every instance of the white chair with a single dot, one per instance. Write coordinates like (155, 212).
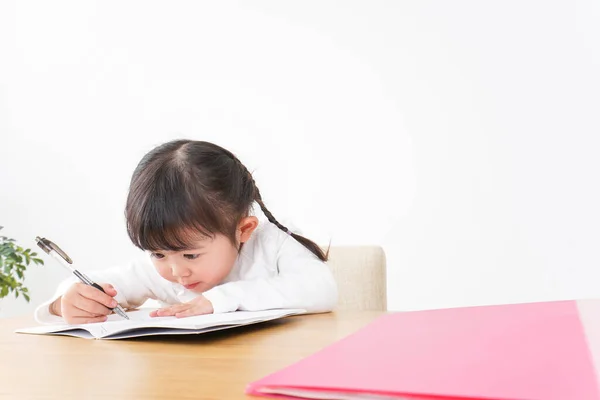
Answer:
(360, 272)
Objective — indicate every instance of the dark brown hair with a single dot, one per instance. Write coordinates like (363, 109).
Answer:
(185, 189)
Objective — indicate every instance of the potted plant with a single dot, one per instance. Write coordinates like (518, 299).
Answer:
(14, 260)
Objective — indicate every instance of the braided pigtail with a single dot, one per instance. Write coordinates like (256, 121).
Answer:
(309, 244)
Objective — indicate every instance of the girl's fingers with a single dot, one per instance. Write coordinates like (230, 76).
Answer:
(187, 313)
(109, 289)
(91, 293)
(90, 306)
(190, 312)
(75, 312)
(162, 312)
(172, 310)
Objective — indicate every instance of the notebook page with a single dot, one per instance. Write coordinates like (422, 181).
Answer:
(140, 322)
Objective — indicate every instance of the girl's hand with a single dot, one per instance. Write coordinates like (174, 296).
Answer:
(198, 306)
(83, 304)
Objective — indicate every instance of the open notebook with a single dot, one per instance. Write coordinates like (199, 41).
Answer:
(141, 324)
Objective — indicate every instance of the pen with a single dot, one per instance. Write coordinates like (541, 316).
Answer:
(57, 253)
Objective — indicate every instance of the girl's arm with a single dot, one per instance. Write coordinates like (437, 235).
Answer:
(303, 281)
(133, 283)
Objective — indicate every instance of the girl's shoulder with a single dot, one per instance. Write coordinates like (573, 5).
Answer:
(267, 241)
(269, 246)
(269, 235)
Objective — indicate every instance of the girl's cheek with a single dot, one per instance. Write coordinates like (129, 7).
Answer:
(164, 272)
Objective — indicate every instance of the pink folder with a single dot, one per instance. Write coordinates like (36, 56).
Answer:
(533, 351)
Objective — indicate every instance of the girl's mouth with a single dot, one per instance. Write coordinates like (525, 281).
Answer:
(191, 285)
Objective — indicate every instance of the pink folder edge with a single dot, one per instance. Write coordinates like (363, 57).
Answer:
(254, 388)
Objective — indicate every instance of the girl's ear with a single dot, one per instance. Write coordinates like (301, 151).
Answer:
(245, 228)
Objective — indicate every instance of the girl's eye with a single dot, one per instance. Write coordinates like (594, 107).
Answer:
(158, 255)
(191, 256)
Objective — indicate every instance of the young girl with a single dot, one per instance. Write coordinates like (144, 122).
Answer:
(189, 207)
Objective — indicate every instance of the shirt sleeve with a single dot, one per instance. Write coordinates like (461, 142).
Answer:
(133, 283)
(303, 281)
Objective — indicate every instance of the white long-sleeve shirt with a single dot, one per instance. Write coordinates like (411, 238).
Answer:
(272, 271)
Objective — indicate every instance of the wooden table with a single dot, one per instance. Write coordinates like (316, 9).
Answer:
(216, 365)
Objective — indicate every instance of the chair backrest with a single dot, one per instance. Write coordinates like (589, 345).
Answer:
(360, 272)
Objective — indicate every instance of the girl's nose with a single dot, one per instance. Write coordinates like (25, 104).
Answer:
(180, 271)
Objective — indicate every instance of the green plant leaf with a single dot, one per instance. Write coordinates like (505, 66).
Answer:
(14, 260)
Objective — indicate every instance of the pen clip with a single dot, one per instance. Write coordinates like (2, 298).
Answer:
(47, 245)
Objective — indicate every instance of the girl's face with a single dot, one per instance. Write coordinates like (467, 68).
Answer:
(205, 265)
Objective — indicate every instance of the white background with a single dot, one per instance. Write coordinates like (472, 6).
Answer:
(462, 136)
